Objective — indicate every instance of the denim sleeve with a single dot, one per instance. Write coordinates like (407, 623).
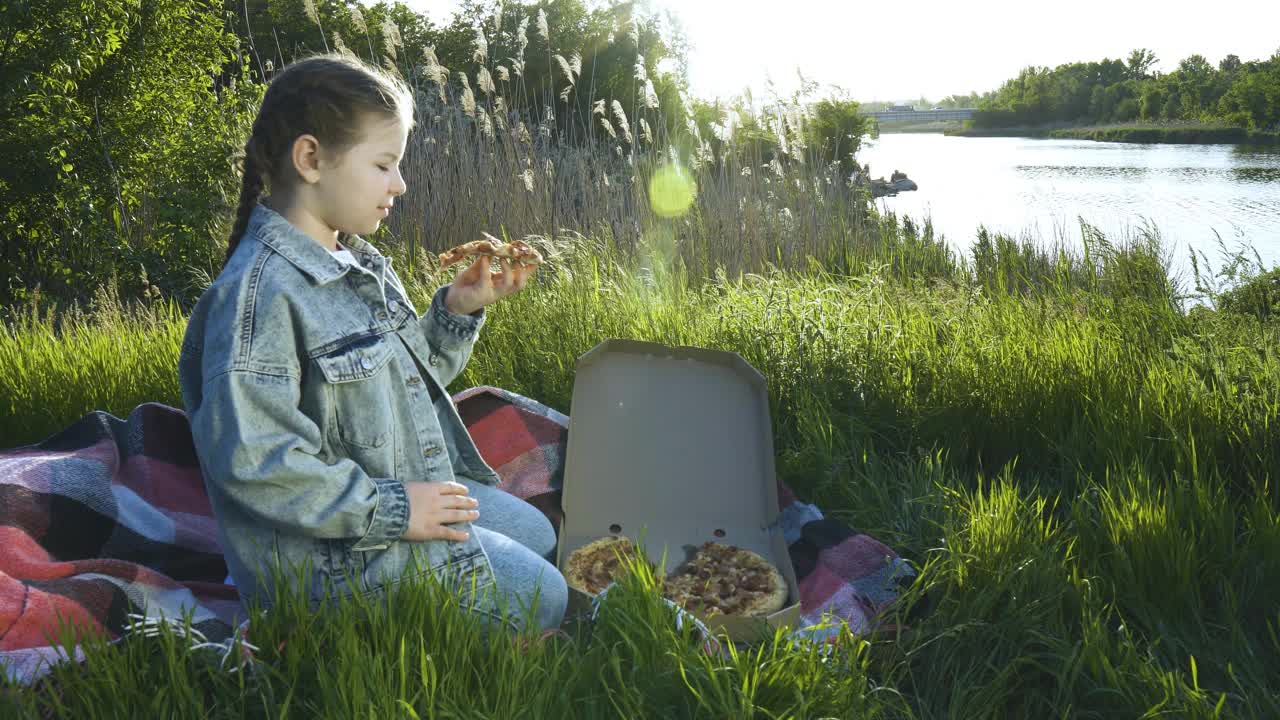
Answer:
(450, 335)
(260, 453)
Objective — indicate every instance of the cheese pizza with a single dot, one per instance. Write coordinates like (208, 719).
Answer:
(593, 566)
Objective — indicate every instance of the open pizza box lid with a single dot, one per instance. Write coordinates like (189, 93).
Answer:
(673, 446)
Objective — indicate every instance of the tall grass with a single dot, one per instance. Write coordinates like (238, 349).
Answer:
(114, 354)
(1081, 471)
(417, 655)
(491, 153)
(520, 180)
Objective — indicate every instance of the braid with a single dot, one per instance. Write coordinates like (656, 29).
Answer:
(250, 189)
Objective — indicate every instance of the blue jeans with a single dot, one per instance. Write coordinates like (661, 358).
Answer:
(521, 544)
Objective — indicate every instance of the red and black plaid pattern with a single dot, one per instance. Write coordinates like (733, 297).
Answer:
(522, 440)
(104, 518)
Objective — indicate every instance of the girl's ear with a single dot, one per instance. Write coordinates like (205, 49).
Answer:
(305, 154)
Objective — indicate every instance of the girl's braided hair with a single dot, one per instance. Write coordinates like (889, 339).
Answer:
(325, 96)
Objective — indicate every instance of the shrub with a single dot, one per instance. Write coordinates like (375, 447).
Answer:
(117, 141)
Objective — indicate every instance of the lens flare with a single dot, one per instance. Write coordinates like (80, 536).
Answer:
(671, 191)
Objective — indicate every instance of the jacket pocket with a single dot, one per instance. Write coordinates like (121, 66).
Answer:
(360, 390)
(341, 566)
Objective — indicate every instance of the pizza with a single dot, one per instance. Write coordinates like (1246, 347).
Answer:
(516, 250)
(719, 579)
(727, 580)
(593, 566)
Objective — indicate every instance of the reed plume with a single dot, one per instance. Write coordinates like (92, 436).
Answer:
(542, 25)
(621, 116)
(481, 53)
(391, 37)
(484, 81)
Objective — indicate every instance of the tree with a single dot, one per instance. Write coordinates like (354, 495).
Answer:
(1195, 66)
(1195, 77)
(1254, 97)
(1115, 90)
(117, 141)
(1151, 101)
(1140, 63)
(836, 130)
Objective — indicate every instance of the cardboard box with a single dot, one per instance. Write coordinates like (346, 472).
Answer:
(674, 445)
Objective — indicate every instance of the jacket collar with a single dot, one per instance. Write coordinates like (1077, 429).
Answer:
(273, 230)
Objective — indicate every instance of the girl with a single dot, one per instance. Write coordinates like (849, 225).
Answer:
(315, 390)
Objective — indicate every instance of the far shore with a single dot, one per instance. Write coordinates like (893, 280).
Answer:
(934, 126)
(1196, 134)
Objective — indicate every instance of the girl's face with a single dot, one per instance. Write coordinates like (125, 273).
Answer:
(357, 189)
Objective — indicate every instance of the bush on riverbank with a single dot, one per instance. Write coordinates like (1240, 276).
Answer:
(1137, 133)
(1258, 297)
(1207, 134)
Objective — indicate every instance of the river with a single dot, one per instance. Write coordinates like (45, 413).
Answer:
(1038, 188)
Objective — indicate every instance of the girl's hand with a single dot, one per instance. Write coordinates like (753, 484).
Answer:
(478, 286)
(433, 505)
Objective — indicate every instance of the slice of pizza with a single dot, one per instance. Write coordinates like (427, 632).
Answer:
(517, 251)
(727, 580)
(593, 566)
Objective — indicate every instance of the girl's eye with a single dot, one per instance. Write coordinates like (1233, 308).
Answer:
(383, 168)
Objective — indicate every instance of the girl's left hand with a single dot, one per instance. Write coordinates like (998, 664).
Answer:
(478, 286)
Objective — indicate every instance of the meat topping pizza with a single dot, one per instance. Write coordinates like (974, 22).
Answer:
(719, 578)
(517, 251)
(727, 580)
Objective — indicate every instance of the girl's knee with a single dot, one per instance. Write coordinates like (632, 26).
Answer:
(531, 528)
(543, 541)
(553, 599)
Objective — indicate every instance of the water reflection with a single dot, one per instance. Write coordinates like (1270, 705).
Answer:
(1130, 173)
(1191, 194)
(1257, 174)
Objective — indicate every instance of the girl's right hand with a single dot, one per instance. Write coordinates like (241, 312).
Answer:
(435, 505)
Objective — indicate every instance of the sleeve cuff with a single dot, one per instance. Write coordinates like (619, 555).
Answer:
(463, 327)
(390, 516)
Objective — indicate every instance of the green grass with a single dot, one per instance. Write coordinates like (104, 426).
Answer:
(418, 655)
(1193, 134)
(1134, 132)
(1079, 468)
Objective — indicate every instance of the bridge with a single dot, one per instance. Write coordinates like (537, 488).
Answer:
(921, 116)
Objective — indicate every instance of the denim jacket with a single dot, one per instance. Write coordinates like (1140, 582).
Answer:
(309, 384)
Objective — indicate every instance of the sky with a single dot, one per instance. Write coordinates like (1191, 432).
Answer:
(898, 51)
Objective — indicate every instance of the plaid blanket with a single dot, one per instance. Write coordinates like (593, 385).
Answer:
(107, 517)
(107, 524)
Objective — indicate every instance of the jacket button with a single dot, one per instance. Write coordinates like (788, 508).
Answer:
(366, 363)
(432, 451)
(434, 360)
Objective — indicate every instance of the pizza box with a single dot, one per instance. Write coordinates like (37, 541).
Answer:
(673, 447)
